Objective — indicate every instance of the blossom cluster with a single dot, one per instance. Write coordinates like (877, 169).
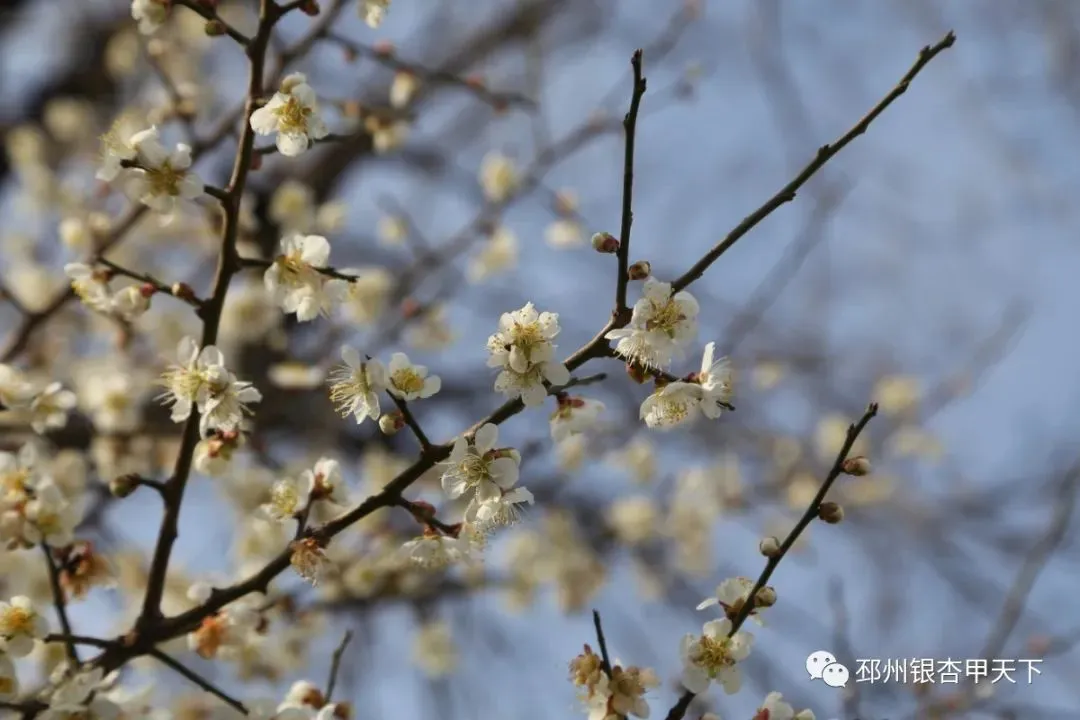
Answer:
(523, 350)
(46, 406)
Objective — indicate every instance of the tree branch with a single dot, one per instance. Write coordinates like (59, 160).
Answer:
(630, 129)
(197, 679)
(61, 605)
(679, 709)
(824, 154)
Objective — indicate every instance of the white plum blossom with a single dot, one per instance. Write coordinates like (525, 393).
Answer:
(49, 516)
(116, 151)
(715, 381)
(714, 657)
(129, 303)
(374, 11)
(288, 497)
(201, 380)
(499, 511)
(497, 255)
(499, 177)
(524, 338)
(661, 325)
(15, 390)
(774, 708)
(522, 347)
(90, 285)
(150, 14)
(478, 467)
(674, 404)
(622, 694)
(574, 415)
(529, 385)
(294, 280)
(20, 625)
(49, 408)
(324, 481)
(432, 551)
(731, 595)
(355, 386)
(161, 179)
(293, 113)
(410, 382)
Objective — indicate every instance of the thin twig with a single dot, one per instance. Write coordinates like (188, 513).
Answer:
(433, 77)
(824, 154)
(425, 516)
(411, 421)
(335, 665)
(604, 657)
(61, 605)
(630, 129)
(197, 679)
(210, 313)
(679, 709)
(148, 279)
(210, 14)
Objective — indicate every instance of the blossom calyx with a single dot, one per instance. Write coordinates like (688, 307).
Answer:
(603, 242)
(857, 466)
(831, 512)
(639, 270)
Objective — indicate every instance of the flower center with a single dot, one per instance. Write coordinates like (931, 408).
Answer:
(164, 180)
(284, 499)
(16, 482)
(408, 380)
(292, 116)
(665, 317)
(348, 385)
(475, 469)
(16, 621)
(713, 655)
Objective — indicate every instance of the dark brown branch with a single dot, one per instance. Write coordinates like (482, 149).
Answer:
(630, 129)
(197, 679)
(211, 15)
(210, 313)
(429, 76)
(425, 515)
(335, 665)
(148, 279)
(679, 709)
(824, 154)
(604, 657)
(411, 421)
(61, 605)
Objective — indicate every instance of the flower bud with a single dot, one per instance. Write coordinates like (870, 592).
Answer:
(766, 597)
(310, 8)
(857, 466)
(637, 373)
(182, 291)
(256, 161)
(383, 48)
(605, 243)
(147, 289)
(639, 270)
(214, 28)
(391, 422)
(831, 512)
(124, 485)
(769, 546)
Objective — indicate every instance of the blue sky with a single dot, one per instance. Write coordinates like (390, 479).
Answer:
(959, 203)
